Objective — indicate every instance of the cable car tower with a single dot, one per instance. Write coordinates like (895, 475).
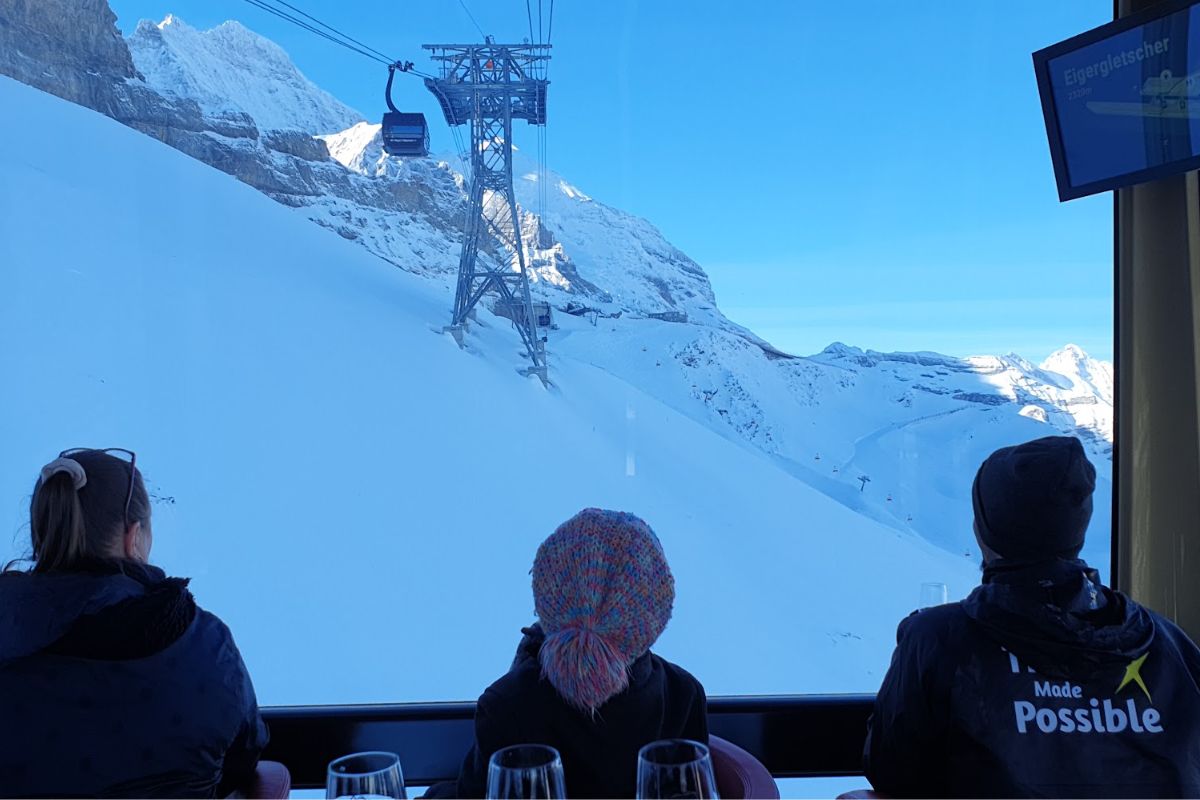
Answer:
(489, 86)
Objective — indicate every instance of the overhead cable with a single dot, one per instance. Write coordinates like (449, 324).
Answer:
(342, 39)
(295, 21)
(472, 17)
(335, 30)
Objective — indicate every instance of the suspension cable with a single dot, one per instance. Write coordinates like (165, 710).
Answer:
(334, 30)
(300, 23)
(345, 41)
(472, 18)
(550, 27)
(529, 16)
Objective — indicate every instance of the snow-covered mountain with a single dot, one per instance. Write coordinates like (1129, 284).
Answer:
(916, 424)
(340, 482)
(581, 250)
(1088, 399)
(231, 69)
(1070, 391)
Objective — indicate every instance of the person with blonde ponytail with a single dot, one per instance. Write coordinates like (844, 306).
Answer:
(113, 682)
(584, 680)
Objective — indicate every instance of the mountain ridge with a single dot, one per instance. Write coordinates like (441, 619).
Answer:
(220, 68)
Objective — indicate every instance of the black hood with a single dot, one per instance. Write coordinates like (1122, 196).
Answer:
(109, 610)
(1056, 617)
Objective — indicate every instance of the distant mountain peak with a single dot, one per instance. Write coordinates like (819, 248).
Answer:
(1070, 351)
(358, 148)
(1073, 361)
(842, 349)
(230, 68)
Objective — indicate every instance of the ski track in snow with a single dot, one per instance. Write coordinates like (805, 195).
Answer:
(874, 436)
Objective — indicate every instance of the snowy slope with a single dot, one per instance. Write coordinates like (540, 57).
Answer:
(917, 424)
(232, 69)
(582, 250)
(352, 489)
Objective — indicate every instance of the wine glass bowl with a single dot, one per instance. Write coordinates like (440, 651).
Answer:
(525, 771)
(675, 768)
(374, 774)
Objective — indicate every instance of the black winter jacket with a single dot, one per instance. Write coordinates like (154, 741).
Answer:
(114, 684)
(1041, 683)
(599, 755)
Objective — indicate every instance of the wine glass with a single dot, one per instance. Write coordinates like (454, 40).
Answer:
(675, 768)
(365, 775)
(525, 771)
(933, 594)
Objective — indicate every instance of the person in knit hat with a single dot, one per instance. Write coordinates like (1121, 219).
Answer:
(584, 680)
(1043, 681)
(1034, 500)
(602, 592)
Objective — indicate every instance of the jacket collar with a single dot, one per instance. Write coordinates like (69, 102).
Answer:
(1057, 616)
(38, 608)
(1017, 571)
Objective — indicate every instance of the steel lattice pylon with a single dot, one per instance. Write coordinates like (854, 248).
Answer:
(489, 86)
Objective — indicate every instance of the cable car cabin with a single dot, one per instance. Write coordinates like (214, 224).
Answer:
(405, 134)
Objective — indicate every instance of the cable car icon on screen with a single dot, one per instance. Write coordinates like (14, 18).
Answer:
(1167, 87)
(1166, 95)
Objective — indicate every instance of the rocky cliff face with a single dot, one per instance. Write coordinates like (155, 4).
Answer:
(234, 100)
(70, 48)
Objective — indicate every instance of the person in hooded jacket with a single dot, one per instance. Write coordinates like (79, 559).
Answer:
(1043, 681)
(584, 680)
(113, 682)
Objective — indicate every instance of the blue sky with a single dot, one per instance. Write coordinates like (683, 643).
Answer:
(869, 173)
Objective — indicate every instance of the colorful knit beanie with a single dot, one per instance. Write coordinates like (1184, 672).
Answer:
(603, 593)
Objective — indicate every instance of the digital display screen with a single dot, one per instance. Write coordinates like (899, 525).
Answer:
(1122, 102)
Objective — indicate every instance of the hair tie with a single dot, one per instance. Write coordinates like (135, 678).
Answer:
(69, 466)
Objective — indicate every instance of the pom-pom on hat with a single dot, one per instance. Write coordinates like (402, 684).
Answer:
(603, 593)
(1034, 500)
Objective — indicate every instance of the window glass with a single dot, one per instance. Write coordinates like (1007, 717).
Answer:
(799, 268)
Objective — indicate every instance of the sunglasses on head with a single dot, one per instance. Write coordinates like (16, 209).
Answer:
(120, 452)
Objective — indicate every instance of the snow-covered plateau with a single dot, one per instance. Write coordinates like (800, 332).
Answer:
(350, 488)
